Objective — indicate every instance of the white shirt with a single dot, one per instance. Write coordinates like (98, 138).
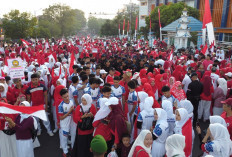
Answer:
(186, 81)
(64, 108)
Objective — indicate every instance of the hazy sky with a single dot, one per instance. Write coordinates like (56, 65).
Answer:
(36, 6)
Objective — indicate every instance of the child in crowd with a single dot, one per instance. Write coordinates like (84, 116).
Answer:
(73, 93)
(125, 146)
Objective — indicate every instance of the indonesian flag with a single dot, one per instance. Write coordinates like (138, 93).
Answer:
(37, 111)
(3, 74)
(136, 23)
(46, 46)
(123, 27)
(207, 24)
(159, 18)
(25, 43)
(128, 25)
(212, 47)
(71, 63)
(187, 132)
(205, 49)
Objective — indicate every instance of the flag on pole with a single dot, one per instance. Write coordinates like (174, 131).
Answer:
(207, 24)
(160, 25)
(136, 25)
(212, 47)
(37, 111)
(3, 74)
(170, 55)
(25, 43)
(123, 27)
(71, 63)
(119, 29)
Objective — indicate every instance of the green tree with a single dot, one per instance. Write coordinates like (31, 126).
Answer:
(168, 14)
(95, 24)
(62, 20)
(18, 25)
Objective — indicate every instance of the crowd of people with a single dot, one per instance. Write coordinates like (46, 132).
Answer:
(117, 98)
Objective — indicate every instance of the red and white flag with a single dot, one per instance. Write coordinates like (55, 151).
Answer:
(160, 25)
(25, 43)
(123, 27)
(207, 25)
(37, 111)
(72, 60)
(212, 47)
(205, 49)
(170, 56)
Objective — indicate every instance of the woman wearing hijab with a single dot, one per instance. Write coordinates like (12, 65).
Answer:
(217, 119)
(175, 145)
(148, 90)
(184, 127)
(171, 119)
(220, 144)
(171, 82)
(142, 145)
(177, 91)
(159, 83)
(156, 71)
(146, 116)
(219, 95)
(117, 120)
(4, 92)
(83, 137)
(160, 132)
(23, 125)
(206, 97)
(154, 88)
(177, 73)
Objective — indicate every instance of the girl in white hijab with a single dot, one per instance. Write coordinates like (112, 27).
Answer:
(217, 119)
(142, 145)
(220, 144)
(219, 95)
(3, 91)
(142, 96)
(160, 132)
(167, 106)
(89, 100)
(175, 146)
(184, 127)
(146, 116)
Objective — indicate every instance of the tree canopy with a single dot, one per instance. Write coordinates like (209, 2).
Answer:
(18, 25)
(168, 14)
(95, 24)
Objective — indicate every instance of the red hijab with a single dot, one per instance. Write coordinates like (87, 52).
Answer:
(178, 94)
(143, 73)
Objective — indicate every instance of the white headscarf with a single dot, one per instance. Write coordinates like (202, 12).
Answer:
(89, 100)
(162, 116)
(4, 93)
(25, 116)
(221, 139)
(104, 110)
(217, 119)
(140, 142)
(175, 145)
(142, 96)
(184, 118)
(223, 85)
(30, 68)
(148, 104)
(167, 106)
(188, 106)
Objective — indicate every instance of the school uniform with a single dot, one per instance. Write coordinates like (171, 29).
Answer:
(66, 125)
(94, 93)
(73, 93)
(118, 92)
(132, 100)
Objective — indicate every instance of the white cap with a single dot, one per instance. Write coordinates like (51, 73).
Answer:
(229, 74)
(102, 71)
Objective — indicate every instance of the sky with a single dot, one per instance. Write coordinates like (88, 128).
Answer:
(35, 7)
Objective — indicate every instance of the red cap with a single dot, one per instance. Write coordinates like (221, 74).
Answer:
(227, 101)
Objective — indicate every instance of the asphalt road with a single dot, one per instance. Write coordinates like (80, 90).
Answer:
(50, 146)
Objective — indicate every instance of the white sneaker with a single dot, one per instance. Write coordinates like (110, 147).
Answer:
(55, 131)
(39, 133)
(50, 133)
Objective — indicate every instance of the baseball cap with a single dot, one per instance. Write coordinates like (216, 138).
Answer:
(227, 101)
(229, 74)
(102, 71)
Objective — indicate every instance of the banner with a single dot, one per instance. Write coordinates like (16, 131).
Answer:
(16, 69)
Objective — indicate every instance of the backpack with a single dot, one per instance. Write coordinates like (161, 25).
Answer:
(86, 123)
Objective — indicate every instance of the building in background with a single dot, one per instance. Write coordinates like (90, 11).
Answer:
(221, 14)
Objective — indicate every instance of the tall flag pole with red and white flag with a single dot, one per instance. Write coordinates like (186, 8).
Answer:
(25, 43)
(123, 27)
(136, 25)
(128, 26)
(119, 30)
(207, 25)
(160, 25)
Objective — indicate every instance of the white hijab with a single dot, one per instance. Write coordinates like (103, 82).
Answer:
(175, 145)
(89, 100)
(167, 106)
(184, 118)
(217, 119)
(140, 142)
(188, 106)
(104, 110)
(4, 93)
(148, 104)
(162, 116)
(221, 139)
(223, 85)
(142, 96)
